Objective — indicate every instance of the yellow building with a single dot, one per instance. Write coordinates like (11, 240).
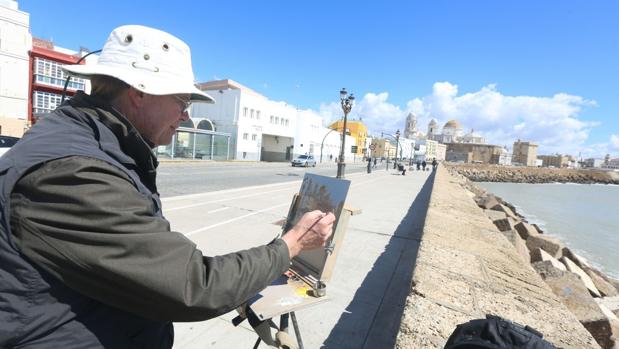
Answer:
(355, 129)
(382, 149)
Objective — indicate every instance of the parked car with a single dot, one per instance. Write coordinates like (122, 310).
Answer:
(6, 142)
(304, 160)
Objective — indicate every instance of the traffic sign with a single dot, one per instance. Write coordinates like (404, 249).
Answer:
(372, 146)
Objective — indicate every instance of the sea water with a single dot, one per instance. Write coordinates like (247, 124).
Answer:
(585, 217)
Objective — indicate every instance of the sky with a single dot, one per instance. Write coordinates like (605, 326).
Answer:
(541, 71)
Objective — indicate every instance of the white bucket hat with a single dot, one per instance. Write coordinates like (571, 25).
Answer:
(150, 60)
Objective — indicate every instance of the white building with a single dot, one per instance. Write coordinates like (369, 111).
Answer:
(260, 129)
(612, 164)
(505, 158)
(312, 138)
(473, 137)
(15, 42)
(407, 150)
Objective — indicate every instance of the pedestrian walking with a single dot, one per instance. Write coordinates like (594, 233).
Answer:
(424, 164)
(434, 164)
(374, 162)
(88, 260)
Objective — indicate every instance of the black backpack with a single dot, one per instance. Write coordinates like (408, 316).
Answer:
(494, 332)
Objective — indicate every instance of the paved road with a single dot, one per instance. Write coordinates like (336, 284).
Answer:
(183, 177)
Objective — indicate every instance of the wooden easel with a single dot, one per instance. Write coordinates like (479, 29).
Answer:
(261, 310)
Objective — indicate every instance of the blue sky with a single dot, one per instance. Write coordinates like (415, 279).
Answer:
(543, 71)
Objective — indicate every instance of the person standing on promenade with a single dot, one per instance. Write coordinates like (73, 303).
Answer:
(424, 164)
(87, 259)
(434, 164)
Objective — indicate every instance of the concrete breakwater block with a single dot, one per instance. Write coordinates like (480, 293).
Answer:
(551, 245)
(525, 230)
(571, 266)
(540, 255)
(495, 215)
(577, 298)
(611, 303)
(506, 210)
(505, 224)
(487, 202)
(603, 283)
(518, 243)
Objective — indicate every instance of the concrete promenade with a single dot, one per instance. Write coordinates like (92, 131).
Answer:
(373, 272)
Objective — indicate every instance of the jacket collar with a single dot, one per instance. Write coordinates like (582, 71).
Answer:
(129, 139)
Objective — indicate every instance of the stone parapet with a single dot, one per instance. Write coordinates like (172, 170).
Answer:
(466, 269)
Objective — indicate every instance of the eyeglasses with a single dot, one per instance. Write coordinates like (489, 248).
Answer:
(185, 104)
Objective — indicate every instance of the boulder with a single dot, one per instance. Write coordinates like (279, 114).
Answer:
(519, 245)
(495, 215)
(540, 255)
(546, 243)
(505, 224)
(571, 266)
(525, 230)
(575, 296)
(488, 201)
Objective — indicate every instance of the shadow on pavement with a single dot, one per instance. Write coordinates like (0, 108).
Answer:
(372, 319)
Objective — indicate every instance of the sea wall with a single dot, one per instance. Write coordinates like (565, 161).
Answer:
(496, 173)
(467, 268)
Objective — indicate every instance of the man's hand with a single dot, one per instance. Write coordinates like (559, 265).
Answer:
(311, 232)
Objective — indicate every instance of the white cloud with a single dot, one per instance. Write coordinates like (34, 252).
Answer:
(552, 122)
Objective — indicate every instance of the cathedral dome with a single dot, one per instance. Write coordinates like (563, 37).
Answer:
(453, 124)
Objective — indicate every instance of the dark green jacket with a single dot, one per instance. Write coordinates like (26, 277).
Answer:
(91, 223)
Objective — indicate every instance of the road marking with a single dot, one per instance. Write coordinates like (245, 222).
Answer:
(219, 209)
(225, 191)
(221, 200)
(235, 219)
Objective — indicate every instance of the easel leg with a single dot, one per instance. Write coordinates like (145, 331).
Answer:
(296, 329)
(283, 322)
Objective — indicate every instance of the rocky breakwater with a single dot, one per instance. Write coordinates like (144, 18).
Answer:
(589, 294)
(469, 266)
(496, 173)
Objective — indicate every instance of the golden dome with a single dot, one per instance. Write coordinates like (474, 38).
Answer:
(453, 124)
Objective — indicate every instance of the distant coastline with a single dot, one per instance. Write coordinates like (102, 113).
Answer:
(513, 174)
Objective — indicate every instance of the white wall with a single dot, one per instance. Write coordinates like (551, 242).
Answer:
(228, 114)
(15, 42)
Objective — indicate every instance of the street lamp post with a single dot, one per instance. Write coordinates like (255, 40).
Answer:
(347, 102)
(397, 142)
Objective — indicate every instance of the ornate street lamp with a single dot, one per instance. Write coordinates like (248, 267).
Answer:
(347, 102)
(397, 142)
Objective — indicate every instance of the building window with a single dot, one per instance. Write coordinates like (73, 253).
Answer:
(254, 137)
(251, 113)
(48, 72)
(282, 121)
(245, 112)
(245, 135)
(276, 120)
(272, 118)
(258, 114)
(286, 122)
(45, 102)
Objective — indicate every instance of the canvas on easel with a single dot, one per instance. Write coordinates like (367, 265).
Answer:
(296, 289)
